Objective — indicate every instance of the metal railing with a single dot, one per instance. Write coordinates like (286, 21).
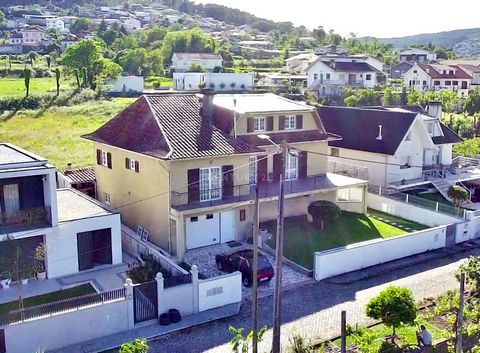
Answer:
(177, 280)
(353, 171)
(61, 306)
(24, 218)
(464, 162)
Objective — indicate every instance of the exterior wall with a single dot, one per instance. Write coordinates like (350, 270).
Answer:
(131, 83)
(419, 80)
(123, 187)
(69, 328)
(373, 252)
(190, 81)
(61, 243)
(179, 297)
(184, 65)
(375, 162)
(446, 154)
(219, 291)
(57, 24)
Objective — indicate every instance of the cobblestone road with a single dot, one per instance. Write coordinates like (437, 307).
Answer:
(313, 309)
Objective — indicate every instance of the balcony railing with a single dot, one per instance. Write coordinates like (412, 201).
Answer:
(185, 201)
(25, 219)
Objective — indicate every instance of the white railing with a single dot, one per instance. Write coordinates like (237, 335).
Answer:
(465, 162)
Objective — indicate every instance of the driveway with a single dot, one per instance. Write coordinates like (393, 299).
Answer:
(204, 258)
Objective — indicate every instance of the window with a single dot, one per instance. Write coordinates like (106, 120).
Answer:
(450, 72)
(11, 198)
(436, 83)
(210, 184)
(408, 137)
(290, 122)
(327, 76)
(464, 85)
(252, 170)
(368, 77)
(424, 82)
(406, 162)
(193, 219)
(335, 152)
(448, 83)
(291, 166)
(106, 198)
(259, 124)
(209, 216)
(430, 127)
(243, 215)
(350, 195)
(455, 83)
(132, 164)
(104, 159)
(315, 76)
(414, 71)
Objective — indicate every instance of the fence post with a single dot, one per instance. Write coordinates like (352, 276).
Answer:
(406, 198)
(160, 288)
(464, 213)
(436, 207)
(129, 294)
(195, 289)
(380, 190)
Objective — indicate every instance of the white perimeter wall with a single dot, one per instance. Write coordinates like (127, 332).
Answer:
(67, 329)
(179, 297)
(219, 291)
(61, 242)
(373, 252)
(132, 84)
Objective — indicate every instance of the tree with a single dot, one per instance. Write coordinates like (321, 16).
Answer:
(351, 101)
(458, 195)
(471, 268)
(57, 80)
(48, 59)
(87, 55)
(140, 345)
(390, 97)
(395, 306)
(81, 24)
(32, 56)
(3, 20)
(241, 343)
(27, 74)
(472, 103)
(196, 68)
(323, 211)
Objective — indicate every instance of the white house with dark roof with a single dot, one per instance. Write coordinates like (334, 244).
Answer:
(181, 62)
(78, 232)
(399, 146)
(327, 76)
(413, 55)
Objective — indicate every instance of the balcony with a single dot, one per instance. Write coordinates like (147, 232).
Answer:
(25, 219)
(242, 193)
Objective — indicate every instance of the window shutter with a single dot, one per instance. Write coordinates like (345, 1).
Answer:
(269, 120)
(250, 124)
(281, 122)
(109, 160)
(227, 182)
(262, 169)
(99, 157)
(193, 176)
(127, 163)
(302, 165)
(277, 167)
(299, 122)
(137, 166)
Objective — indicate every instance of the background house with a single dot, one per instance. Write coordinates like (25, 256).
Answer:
(194, 81)
(181, 62)
(417, 55)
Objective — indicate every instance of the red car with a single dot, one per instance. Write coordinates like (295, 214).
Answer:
(242, 260)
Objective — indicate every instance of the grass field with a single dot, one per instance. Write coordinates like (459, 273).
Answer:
(302, 239)
(48, 298)
(14, 86)
(55, 134)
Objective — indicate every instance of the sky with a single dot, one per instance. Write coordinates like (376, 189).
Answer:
(378, 18)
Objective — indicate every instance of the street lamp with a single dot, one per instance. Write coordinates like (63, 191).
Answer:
(283, 149)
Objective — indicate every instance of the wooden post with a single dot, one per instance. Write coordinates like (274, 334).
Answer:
(343, 339)
(460, 314)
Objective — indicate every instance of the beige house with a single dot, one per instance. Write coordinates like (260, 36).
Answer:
(184, 166)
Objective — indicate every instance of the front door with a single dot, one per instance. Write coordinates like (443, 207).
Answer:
(227, 223)
(102, 246)
(85, 251)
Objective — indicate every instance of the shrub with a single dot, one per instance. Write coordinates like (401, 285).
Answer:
(146, 270)
(140, 345)
(323, 211)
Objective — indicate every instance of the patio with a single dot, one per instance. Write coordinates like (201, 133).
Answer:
(204, 258)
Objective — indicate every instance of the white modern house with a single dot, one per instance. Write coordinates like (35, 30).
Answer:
(194, 81)
(434, 77)
(181, 62)
(55, 24)
(127, 84)
(77, 232)
(398, 146)
(417, 55)
(326, 77)
(132, 24)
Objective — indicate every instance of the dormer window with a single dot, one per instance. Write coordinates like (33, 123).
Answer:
(290, 122)
(259, 123)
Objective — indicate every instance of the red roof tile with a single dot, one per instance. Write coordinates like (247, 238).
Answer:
(459, 73)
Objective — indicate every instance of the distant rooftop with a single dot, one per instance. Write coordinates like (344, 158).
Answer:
(201, 56)
(74, 205)
(11, 154)
(256, 103)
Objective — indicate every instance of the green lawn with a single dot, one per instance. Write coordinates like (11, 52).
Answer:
(400, 221)
(302, 239)
(55, 134)
(435, 197)
(48, 298)
(15, 86)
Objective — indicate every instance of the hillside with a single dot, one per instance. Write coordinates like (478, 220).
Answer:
(465, 42)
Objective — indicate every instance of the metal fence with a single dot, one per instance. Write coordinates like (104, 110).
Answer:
(177, 281)
(61, 306)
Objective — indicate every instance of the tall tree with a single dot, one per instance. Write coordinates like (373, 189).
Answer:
(472, 103)
(27, 74)
(57, 80)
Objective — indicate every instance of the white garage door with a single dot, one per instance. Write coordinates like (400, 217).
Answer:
(202, 230)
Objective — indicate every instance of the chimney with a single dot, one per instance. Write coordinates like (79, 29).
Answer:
(380, 137)
(332, 63)
(435, 109)
(207, 103)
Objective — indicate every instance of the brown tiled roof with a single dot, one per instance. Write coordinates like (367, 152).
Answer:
(459, 73)
(80, 175)
(168, 126)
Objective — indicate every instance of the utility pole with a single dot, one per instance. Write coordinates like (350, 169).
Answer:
(460, 314)
(279, 256)
(255, 271)
(343, 339)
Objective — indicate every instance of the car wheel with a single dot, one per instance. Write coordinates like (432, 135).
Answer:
(220, 265)
(247, 282)
(269, 279)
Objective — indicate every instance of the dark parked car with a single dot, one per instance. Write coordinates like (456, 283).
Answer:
(242, 260)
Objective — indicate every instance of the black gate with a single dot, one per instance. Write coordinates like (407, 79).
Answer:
(145, 303)
(3, 348)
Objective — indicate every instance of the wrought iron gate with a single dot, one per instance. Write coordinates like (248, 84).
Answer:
(145, 301)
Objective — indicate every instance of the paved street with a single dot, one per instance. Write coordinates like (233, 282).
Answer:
(314, 308)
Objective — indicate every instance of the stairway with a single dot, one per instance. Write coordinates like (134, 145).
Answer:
(442, 186)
